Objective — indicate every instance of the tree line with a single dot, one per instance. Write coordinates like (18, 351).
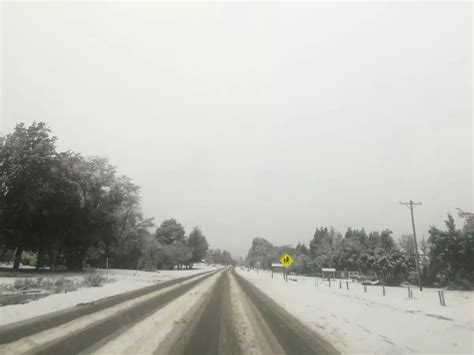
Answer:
(170, 247)
(69, 210)
(447, 257)
(218, 256)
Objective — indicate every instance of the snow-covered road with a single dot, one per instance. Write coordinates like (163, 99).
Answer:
(252, 313)
(215, 313)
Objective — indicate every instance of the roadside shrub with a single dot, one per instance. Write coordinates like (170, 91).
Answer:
(47, 284)
(24, 284)
(61, 284)
(462, 281)
(28, 258)
(94, 279)
(4, 288)
(148, 266)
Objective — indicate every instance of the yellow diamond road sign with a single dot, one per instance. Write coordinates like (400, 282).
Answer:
(286, 260)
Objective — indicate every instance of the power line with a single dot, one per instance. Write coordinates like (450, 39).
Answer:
(411, 204)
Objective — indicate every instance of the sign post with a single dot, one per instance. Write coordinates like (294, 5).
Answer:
(286, 261)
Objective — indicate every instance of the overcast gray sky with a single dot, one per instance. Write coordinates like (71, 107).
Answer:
(256, 119)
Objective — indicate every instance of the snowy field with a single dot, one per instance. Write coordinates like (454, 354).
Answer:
(359, 322)
(120, 281)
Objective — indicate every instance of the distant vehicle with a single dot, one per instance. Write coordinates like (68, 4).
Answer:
(370, 282)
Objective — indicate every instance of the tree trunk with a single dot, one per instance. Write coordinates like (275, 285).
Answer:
(57, 258)
(52, 258)
(40, 260)
(106, 260)
(16, 264)
(4, 251)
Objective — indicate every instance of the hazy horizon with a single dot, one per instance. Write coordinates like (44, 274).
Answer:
(256, 120)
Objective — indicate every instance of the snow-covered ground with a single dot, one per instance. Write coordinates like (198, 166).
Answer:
(359, 322)
(121, 281)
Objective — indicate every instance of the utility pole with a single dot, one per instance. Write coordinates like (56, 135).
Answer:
(411, 204)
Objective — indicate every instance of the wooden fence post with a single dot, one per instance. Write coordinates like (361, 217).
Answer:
(441, 298)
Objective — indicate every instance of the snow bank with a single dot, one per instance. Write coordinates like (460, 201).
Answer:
(123, 281)
(359, 322)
